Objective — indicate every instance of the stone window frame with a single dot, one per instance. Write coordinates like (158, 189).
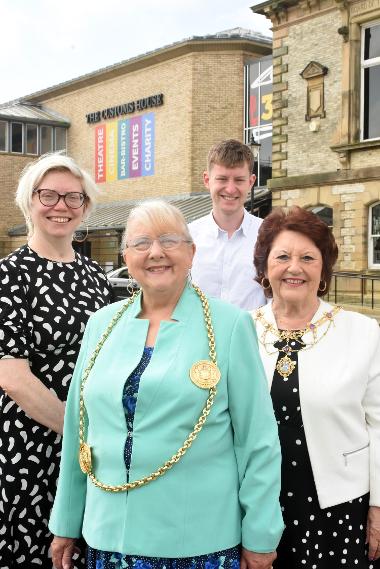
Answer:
(351, 84)
(366, 64)
(371, 236)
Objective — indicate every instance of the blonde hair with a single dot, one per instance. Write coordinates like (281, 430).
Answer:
(35, 171)
(161, 216)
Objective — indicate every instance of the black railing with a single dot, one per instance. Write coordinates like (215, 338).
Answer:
(354, 288)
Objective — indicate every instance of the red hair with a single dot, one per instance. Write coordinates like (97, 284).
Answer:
(301, 221)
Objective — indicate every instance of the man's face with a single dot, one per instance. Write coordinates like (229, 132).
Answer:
(229, 187)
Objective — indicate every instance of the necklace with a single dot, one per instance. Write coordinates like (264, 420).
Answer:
(204, 374)
(290, 341)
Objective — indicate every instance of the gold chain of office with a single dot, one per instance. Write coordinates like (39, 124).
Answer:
(85, 450)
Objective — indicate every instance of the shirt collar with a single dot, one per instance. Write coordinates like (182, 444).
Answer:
(242, 230)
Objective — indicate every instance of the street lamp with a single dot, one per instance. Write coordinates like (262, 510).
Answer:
(255, 147)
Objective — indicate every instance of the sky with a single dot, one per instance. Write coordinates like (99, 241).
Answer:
(46, 42)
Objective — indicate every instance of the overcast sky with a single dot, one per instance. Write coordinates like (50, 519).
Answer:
(45, 42)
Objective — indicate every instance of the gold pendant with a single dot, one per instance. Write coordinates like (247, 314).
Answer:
(85, 458)
(204, 374)
(285, 367)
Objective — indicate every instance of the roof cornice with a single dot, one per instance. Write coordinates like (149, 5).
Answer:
(255, 46)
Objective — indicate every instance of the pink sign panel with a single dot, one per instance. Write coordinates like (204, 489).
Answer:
(135, 147)
(100, 153)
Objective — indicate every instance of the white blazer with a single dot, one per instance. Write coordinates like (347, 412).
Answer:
(339, 388)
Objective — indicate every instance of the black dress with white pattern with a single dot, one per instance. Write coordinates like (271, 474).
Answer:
(313, 538)
(44, 307)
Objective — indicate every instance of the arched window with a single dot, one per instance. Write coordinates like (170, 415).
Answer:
(374, 236)
(325, 212)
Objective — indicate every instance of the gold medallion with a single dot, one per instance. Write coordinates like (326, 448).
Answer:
(204, 374)
(285, 367)
(85, 458)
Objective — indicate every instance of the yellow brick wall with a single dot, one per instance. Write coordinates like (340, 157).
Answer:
(11, 167)
(203, 102)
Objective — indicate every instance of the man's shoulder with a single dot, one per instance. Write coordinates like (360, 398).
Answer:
(200, 223)
(252, 220)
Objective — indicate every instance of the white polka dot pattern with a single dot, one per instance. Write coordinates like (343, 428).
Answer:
(44, 307)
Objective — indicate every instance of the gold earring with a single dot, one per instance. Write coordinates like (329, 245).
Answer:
(268, 286)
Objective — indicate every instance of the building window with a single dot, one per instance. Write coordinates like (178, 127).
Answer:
(17, 137)
(21, 138)
(374, 237)
(324, 212)
(46, 138)
(31, 139)
(370, 81)
(60, 138)
(258, 114)
(3, 136)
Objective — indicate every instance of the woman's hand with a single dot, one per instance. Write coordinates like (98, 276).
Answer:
(30, 394)
(253, 560)
(373, 532)
(63, 549)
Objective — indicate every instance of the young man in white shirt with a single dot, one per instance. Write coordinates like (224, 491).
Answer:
(225, 239)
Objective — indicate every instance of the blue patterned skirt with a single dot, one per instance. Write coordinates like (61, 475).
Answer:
(226, 559)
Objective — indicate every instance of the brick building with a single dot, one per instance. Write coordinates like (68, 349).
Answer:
(326, 118)
(141, 127)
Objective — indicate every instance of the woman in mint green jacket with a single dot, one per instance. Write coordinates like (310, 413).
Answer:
(179, 454)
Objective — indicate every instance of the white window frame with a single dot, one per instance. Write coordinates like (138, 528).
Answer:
(6, 136)
(374, 62)
(261, 131)
(22, 137)
(55, 139)
(51, 139)
(26, 139)
(371, 236)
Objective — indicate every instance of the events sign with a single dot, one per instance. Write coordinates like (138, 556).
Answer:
(125, 148)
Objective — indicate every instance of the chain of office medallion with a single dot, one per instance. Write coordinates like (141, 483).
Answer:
(198, 425)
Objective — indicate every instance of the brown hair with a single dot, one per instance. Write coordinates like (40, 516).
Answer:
(302, 221)
(230, 153)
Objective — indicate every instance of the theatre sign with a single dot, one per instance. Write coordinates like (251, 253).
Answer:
(124, 148)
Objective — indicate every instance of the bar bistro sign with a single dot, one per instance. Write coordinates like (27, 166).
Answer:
(126, 108)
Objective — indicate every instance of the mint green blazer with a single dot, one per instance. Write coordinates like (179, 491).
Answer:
(224, 491)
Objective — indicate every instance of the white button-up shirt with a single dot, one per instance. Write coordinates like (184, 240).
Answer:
(223, 267)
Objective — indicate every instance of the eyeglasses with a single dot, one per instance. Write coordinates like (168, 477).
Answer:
(167, 242)
(48, 198)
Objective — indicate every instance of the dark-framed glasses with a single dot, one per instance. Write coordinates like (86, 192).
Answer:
(167, 242)
(48, 198)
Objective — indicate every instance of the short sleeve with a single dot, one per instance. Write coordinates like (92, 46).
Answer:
(16, 325)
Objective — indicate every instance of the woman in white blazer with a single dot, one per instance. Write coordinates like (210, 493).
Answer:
(323, 367)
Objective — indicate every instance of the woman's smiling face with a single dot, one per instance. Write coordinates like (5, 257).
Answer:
(58, 220)
(294, 268)
(158, 269)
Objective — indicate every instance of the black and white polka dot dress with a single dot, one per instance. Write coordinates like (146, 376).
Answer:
(313, 538)
(44, 307)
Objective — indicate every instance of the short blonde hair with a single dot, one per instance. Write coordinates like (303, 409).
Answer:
(35, 171)
(161, 216)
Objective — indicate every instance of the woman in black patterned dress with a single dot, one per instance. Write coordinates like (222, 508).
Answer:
(47, 293)
(323, 366)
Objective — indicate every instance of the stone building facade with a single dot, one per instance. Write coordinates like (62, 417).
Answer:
(326, 118)
(192, 92)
